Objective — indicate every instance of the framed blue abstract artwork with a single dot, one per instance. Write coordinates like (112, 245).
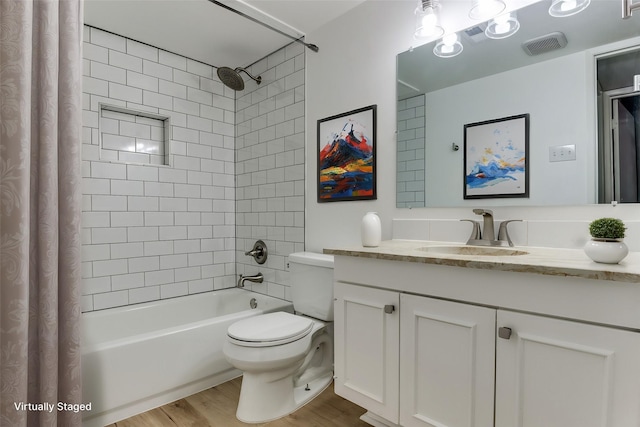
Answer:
(496, 158)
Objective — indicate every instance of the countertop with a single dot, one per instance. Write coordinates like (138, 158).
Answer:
(548, 261)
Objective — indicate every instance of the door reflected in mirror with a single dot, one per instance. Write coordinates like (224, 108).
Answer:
(619, 119)
(492, 79)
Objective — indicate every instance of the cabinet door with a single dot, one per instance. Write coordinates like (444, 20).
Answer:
(558, 373)
(367, 347)
(447, 363)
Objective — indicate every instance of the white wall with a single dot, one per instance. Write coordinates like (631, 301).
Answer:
(356, 66)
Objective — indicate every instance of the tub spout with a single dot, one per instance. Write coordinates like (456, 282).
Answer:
(256, 278)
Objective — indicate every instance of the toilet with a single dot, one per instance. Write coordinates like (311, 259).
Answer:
(286, 359)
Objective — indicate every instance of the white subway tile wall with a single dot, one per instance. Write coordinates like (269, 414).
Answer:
(152, 231)
(270, 167)
(410, 158)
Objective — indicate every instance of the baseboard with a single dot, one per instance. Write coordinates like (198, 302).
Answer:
(377, 421)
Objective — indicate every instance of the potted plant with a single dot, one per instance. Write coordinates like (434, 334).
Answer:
(606, 243)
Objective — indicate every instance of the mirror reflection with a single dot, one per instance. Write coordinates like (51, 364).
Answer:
(547, 70)
(619, 126)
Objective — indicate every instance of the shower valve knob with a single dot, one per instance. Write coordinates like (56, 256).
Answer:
(258, 252)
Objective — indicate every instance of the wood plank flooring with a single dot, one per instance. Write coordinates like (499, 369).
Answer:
(216, 407)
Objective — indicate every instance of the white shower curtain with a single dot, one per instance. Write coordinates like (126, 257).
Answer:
(40, 211)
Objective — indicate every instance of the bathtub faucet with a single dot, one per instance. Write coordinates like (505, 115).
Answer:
(256, 278)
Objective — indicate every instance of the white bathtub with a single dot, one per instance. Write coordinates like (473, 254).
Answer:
(138, 357)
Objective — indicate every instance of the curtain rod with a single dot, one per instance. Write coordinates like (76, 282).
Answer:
(313, 47)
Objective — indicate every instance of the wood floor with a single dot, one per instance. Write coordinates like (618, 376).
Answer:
(216, 407)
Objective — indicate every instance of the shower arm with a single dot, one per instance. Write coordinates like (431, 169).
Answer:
(313, 47)
(257, 79)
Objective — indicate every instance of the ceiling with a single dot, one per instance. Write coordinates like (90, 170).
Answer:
(204, 31)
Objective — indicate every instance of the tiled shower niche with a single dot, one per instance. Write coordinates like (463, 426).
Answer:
(130, 136)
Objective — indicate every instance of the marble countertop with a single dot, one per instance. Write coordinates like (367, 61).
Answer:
(549, 261)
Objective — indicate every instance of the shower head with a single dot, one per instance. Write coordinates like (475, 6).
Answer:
(231, 78)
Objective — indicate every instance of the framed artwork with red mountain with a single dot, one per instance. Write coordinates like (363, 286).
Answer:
(347, 156)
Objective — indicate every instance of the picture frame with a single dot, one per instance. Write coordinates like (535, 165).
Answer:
(347, 156)
(496, 158)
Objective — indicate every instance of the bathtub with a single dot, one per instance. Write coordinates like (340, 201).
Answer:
(139, 357)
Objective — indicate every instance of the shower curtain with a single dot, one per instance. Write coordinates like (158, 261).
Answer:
(40, 212)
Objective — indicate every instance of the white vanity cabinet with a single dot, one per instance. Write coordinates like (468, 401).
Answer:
(366, 348)
(558, 373)
(447, 361)
(445, 356)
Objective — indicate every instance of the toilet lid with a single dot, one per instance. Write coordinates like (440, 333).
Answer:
(270, 329)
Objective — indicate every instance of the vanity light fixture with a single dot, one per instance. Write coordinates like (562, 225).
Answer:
(563, 8)
(427, 20)
(486, 9)
(502, 26)
(448, 47)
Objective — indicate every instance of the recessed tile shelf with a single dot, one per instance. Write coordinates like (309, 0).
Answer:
(131, 136)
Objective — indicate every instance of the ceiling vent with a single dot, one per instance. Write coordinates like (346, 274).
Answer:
(544, 44)
(476, 34)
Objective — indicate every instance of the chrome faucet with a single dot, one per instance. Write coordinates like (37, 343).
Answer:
(256, 278)
(487, 227)
(487, 236)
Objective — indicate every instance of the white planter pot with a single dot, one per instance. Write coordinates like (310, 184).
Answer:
(606, 251)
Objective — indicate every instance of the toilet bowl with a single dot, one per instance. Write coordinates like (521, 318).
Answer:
(286, 361)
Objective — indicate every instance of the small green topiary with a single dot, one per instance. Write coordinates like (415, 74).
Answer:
(607, 228)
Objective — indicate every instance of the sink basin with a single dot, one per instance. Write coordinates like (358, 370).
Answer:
(473, 250)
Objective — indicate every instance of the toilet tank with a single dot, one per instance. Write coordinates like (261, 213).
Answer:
(311, 280)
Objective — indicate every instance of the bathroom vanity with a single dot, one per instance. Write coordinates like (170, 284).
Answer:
(431, 334)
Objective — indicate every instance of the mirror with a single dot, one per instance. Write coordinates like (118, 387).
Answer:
(493, 79)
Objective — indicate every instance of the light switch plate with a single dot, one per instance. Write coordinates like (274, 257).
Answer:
(562, 153)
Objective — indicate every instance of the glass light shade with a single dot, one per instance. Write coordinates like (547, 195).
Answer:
(448, 47)
(486, 9)
(562, 8)
(502, 26)
(427, 26)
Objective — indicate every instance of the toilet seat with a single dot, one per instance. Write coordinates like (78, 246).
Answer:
(268, 330)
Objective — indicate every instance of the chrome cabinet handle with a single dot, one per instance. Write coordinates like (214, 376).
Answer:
(504, 333)
(389, 308)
